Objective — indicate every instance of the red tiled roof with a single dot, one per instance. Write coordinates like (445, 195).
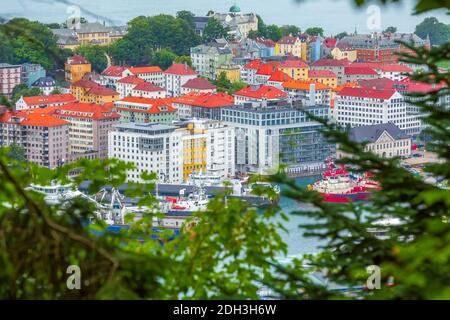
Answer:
(321, 74)
(329, 42)
(206, 100)
(32, 119)
(50, 99)
(265, 69)
(403, 85)
(94, 88)
(266, 42)
(102, 91)
(77, 59)
(84, 83)
(148, 69)
(199, 83)
(254, 64)
(359, 70)
(288, 40)
(153, 105)
(148, 87)
(304, 85)
(43, 120)
(372, 65)
(131, 80)
(394, 68)
(279, 76)
(180, 69)
(378, 83)
(367, 93)
(268, 92)
(325, 62)
(86, 110)
(114, 71)
(291, 63)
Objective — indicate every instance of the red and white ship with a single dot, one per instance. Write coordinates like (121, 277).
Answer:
(338, 185)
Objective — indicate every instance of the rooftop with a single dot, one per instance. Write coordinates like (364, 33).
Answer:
(325, 62)
(131, 80)
(148, 69)
(322, 74)
(371, 133)
(153, 128)
(367, 93)
(199, 83)
(114, 71)
(205, 100)
(304, 85)
(262, 92)
(50, 99)
(180, 69)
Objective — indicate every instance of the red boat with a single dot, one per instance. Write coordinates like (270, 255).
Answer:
(338, 185)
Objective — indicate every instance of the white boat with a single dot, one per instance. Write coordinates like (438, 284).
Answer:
(55, 194)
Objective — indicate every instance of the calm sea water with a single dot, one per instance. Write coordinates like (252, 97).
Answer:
(333, 15)
(298, 244)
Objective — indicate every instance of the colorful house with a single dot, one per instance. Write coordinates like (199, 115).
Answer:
(296, 69)
(76, 67)
(87, 91)
(289, 46)
(143, 110)
(326, 77)
(232, 72)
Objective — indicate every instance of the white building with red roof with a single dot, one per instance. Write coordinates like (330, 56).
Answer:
(396, 72)
(277, 78)
(126, 85)
(152, 74)
(258, 94)
(113, 74)
(364, 106)
(176, 76)
(148, 90)
(44, 101)
(198, 85)
(202, 105)
(248, 71)
(354, 73)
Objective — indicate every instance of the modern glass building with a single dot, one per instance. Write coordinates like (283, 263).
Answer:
(279, 133)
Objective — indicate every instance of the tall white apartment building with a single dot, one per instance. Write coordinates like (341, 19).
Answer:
(176, 76)
(151, 147)
(363, 106)
(209, 145)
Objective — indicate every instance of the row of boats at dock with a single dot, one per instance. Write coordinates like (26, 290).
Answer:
(176, 203)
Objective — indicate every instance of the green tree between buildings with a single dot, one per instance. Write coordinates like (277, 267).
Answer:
(215, 30)
(314, 31)
(232, 251)
(439, 32)
(22, 90)
(23, 41)
(95, 54)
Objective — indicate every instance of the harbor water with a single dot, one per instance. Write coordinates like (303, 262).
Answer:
(294, 237)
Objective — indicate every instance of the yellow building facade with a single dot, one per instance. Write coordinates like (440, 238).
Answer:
(232, 72)
(86, 91)
(296, 69)
(289, 46)
(75, 68)
(339, 54)
(326, 78)
(194, 150)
